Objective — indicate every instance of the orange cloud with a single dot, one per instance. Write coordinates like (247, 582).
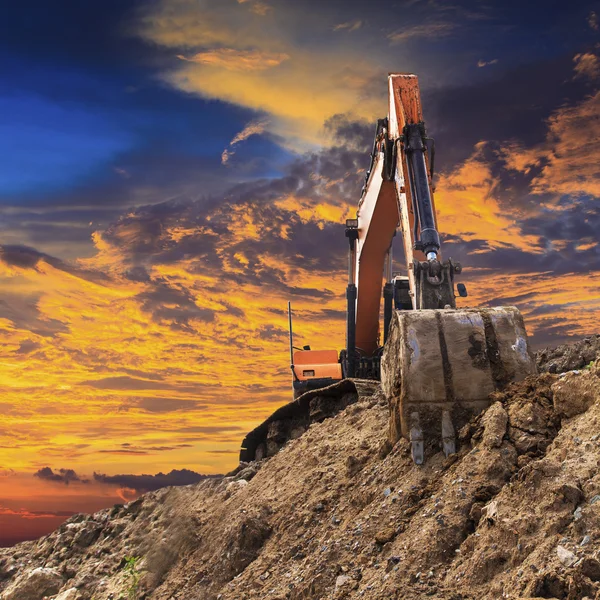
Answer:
(237, 60)
(587, 66)
(550, 303)
(467, 206)
(571, 150)
(253, 128)
(260, 64)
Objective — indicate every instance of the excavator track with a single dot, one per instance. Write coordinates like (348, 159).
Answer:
(293, 419)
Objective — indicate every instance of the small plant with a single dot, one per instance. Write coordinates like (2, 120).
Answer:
(133, 576)
(589, 365)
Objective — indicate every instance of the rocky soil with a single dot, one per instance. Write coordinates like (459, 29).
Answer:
(569, 356)
(337, 513)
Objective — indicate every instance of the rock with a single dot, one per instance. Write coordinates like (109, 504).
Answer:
(88, 534)
(383, 536)
(336, 520)
(585, 541)
(384, 449)
(575, 393)
(490, 512)
(392, 561)
(235, 486)
(34, 585)
(590, 567)
(70, 594)
(320, 507)
(578, 513)
(247, 473)
(529, 425)
(494, 426)
(341, 581)
(566, 557)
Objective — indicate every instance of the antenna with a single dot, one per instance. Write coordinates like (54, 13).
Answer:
(291, 341)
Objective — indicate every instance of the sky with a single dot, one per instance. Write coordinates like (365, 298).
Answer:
(172, 172)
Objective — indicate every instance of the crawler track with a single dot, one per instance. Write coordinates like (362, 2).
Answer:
(293, 419)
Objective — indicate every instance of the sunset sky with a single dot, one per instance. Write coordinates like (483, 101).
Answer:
(174, 171)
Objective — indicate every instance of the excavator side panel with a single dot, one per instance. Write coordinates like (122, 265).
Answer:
(317, 364)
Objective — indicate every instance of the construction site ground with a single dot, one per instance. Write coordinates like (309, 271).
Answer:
(340, 513)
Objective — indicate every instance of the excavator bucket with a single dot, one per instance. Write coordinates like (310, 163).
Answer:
(440, 366)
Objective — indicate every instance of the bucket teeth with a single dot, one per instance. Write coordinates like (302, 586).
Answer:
(416, 439)
(448, 434)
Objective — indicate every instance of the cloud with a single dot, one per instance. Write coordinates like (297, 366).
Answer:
(172, 305)
(167, 405)
(568, 159)
(271, 332)
(484, 63)
(144, 450)
(262, 64)
(225, 155)
(468, 207)
(253, 128)
(426, 31)
(349, 26)
(65, 476)
(35, 514)
(28, 346)
(125, 383)
(148, 483)
(237, 60)
(593, 21)
(257, 7)
(587, 66)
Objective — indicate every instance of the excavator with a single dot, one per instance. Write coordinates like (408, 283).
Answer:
(438, 363)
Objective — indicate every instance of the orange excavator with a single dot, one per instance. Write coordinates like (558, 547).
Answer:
(438, 363)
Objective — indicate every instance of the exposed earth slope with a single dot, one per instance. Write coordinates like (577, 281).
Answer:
(337, 514)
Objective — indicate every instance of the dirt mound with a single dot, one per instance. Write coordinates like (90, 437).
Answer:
(337, 514)
(569, 357)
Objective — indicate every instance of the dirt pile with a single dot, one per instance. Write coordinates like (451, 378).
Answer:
(569, 357)
(339, 514)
